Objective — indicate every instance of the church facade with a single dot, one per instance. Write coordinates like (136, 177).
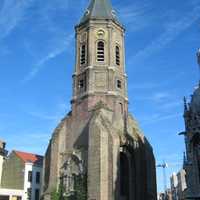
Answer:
(98, 152)
(192, 142)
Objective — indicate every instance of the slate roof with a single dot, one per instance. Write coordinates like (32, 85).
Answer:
(29, 157)
(99, 9)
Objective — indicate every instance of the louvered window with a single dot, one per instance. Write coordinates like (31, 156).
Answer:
(100, 52)
(119, 84)
(81, 84)
(117, 54)
(83, 54)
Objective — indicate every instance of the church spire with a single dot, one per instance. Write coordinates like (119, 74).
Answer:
(99, 9)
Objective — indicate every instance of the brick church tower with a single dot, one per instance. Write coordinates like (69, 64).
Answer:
(98, 152)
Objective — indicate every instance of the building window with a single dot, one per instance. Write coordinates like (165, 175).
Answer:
(29, 193)
(119, 84)
(37, 194)
(83, 54)
(38, 177)
(121, 108)
(117, 54)
(30, 176)
(100, 51)
(81, 84)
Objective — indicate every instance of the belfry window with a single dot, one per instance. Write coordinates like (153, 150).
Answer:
(81, 84)
(117, 54)
(121, 108)
(100, 51)
(119, 84)
(83, 54)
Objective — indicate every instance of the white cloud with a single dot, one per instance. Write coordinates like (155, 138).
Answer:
(172, 30)
(11, 14)
(60, 111)
(172, 104)
(155, 118)
(160, 96)
(154, 97)
(43, 116)
(39, 136)
(143, 86)
(136, 15)
(60, 47)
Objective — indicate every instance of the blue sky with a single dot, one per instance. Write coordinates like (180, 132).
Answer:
(37, 61)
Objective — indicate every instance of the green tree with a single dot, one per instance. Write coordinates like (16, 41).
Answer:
(57, 194)
(80, 190)
(81, 187)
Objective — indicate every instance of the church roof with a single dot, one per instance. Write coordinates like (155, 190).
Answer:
(99, 9)
(195, 103)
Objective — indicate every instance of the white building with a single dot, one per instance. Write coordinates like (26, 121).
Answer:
(21, 177)
(174, 184)
(178, 185)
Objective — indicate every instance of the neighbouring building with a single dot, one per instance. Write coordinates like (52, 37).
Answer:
(98, 148)
(192, 142)
(165, 196)
(174, 184)
(21, 176)
(181, 187)
(3, 154)
(178, 185)
(161, 196)
(168, 194)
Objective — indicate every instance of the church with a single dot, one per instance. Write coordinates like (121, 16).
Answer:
(192, 143)
(98, 152)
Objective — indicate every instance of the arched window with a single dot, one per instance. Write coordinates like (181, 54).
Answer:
(121, 108)
(117, 54)
(119, 84)
(100, 51)
(83, 54)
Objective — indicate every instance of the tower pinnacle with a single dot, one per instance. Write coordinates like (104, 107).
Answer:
(99, 9)
(198, 56)
(198, 61)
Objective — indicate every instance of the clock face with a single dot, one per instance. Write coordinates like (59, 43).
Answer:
(101, 33)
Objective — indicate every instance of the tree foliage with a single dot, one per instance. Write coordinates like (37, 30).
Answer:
(57, 194)
(79, 193)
